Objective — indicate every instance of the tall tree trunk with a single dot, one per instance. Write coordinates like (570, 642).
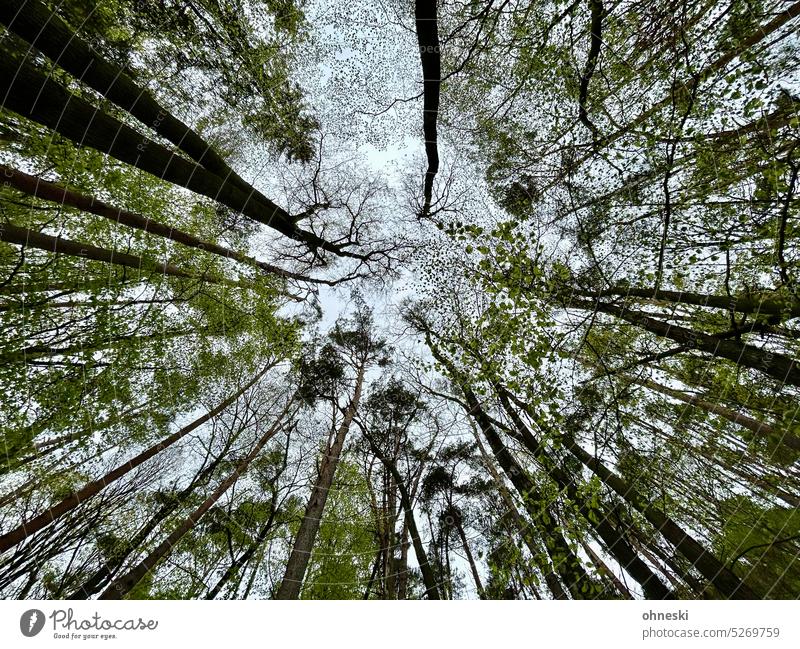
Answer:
(245, 557)
(100, 578)
(40, 188)
(757, 303)
(776, 365)
(123, 585)
(704, 561)
(28, 528)
(428, 575)
(476, 577)
(27, 354)
(524, 528)
(597, 517)
(33, 239)
(402, 563)
(758, 427)
(391, 536)
(43, 28)
(24, 86)
(604, 570)
(292, 581)
(566, 563)
(427, 25)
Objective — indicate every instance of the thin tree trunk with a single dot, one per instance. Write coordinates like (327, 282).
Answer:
(471, 560)
(391, 536)
(760, 304)
(123, 585)
(428, 576)
(40, 188)
(375, 565)
(100, 578)
(706, 563)
(758, 427)
(292, 581)
(614, 539)
(524, 527)
(28, 528)
(402, 564)
(566, 563)
(44, 351)
(243, 559)
(28, 238)
(776, 365)
(604, 570)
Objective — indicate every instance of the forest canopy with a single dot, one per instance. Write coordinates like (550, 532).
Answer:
(430, 299)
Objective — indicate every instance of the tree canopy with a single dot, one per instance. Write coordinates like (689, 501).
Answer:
(303, 299)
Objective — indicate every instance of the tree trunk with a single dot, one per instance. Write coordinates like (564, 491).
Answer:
(428, 576)
(759, 304)
(243, 559)
(604, 570)
(776, 365)
(525, 528)
(292, 581)
(32, 239)
(566, 563)
(100, 578)
(35, 524)
(123, 585)
(23, 87)
(44, 29)
(758, 427)
(614, 539)
(471, 560)
(40, 188)
(706, 563)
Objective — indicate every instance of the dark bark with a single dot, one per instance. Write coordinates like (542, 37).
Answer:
(43, 28)
(32, 94)
(428, 575)
(704, 561)
(427, 24)
(470, 559)
(614, 539)
(604, 570)
(33, 239)
(566, 563)
(757, 427)
(245, 557)
(596, 7)
(756, 303)
(525, 529)
(778, 366)
(100, 578)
